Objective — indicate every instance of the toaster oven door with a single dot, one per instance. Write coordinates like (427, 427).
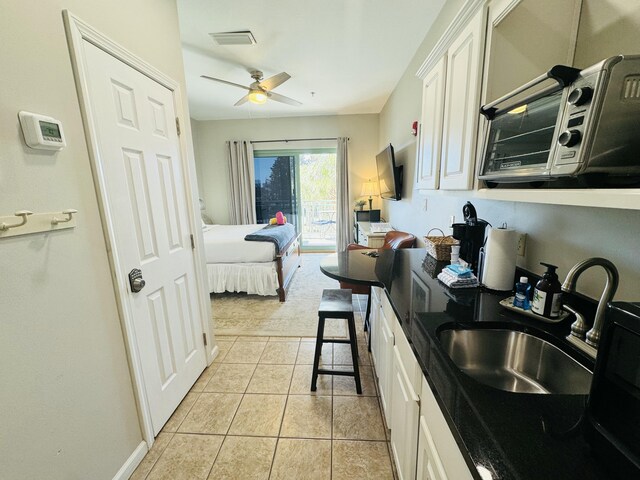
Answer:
(521, 142)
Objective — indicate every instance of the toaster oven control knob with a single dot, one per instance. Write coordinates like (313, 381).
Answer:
(580, 96)
(569, 138)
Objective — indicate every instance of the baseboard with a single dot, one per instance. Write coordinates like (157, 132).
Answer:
(132, 462)
(214, 352)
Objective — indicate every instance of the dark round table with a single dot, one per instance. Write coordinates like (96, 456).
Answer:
(352, 266)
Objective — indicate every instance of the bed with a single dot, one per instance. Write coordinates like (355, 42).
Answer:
(237, 265)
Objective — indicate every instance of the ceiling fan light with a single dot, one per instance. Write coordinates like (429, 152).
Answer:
(257, 96)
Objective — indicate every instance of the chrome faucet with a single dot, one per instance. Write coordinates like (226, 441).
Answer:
(569, 285)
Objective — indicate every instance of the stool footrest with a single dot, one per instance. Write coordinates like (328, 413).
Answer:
(336, 372)
(335, 340)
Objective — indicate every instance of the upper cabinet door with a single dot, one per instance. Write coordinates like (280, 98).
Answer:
(461, 106)
(430, 140)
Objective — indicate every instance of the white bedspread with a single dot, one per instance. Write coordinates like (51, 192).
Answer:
(226, 244)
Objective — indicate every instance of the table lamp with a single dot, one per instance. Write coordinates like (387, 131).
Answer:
(369, 188)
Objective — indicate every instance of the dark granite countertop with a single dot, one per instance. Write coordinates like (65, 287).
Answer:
(511, 435)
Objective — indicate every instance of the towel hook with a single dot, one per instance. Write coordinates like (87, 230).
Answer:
(68, 212)
(21, 213)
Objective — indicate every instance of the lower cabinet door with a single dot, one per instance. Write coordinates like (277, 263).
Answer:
(439, 457)
(385, 365)
(429, 463)
(374, 320)
(405, 405)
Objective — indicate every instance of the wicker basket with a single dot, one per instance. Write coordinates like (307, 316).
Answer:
(439, 247)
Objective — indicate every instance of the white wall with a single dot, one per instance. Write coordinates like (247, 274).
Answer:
(67, 407)
(561, 235)
(210, 137)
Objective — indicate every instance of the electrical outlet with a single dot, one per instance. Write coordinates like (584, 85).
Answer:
(522, 244)
(426, 204)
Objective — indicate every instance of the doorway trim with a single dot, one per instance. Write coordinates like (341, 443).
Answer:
(78, 31)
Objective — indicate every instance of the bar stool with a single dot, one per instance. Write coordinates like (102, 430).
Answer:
(336, 303)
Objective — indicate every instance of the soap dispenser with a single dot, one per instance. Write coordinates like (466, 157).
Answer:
(547, 295)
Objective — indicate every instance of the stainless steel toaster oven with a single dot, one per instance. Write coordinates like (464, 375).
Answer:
(586, 123)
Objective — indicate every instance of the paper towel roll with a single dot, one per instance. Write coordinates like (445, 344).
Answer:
(499, 265)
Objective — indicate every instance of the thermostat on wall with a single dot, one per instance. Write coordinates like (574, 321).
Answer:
(44, 133)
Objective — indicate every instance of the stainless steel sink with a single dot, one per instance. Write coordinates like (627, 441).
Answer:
(515, 361)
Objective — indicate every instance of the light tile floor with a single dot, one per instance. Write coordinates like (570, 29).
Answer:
(251, 415)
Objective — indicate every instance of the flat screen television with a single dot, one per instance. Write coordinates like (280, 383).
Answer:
(389, 175)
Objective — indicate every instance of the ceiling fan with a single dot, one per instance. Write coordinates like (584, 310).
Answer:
(261, 90)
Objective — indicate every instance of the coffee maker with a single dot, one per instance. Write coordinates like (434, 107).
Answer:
(471, 236)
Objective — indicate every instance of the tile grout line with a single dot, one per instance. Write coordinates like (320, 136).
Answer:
(215, 458)
(159, 455)
(331, 451)
(275, 450)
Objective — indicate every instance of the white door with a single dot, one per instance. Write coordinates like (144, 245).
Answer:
(146, 207)
(461, 106)
(430, 141)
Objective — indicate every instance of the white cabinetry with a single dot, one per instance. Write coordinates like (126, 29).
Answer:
(385, 360)
(439, 457)
(405, 407)
(461, 106)
(382, 342)
(422, 445)
(430, 139)
(374, 325)
(450, 111)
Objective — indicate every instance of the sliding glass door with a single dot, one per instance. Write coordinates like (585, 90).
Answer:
(301, 184)
(276, 187)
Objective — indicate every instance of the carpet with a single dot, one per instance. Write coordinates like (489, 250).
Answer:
(242, 314)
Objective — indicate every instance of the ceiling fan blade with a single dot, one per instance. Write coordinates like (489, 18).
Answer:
(282, 99)
(272, 82)
(244, 99)
(224, 81)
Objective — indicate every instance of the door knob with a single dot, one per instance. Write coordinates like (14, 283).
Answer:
(136, 282)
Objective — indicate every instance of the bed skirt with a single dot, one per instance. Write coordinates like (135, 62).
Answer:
(252, 278)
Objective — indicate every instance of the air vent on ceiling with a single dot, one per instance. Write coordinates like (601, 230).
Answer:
(244, 37)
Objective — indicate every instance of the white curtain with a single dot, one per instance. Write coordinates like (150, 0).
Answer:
(242, 201)
(344, 212)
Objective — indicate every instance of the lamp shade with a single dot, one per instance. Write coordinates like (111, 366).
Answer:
(369, 188)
